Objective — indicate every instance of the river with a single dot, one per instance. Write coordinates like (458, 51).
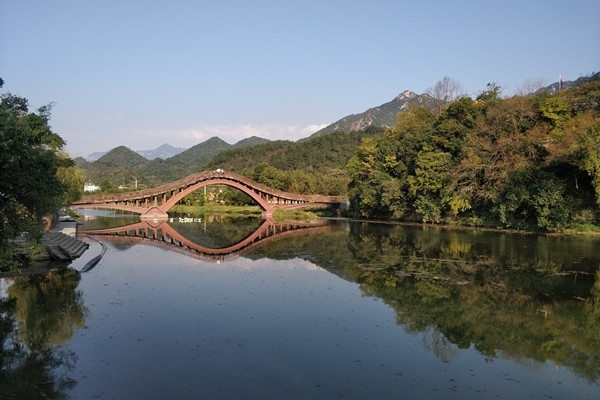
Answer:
(338, 309)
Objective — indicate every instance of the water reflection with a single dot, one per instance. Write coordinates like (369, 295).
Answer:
(515, 296)
(524, 299)
(38, 315)
(224, 243)
(505, 295)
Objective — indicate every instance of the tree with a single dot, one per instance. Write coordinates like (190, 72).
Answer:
(444, 91)
(29, 186)
(431, 176)
(491, 96)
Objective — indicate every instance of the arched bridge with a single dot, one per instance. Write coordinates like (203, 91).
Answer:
(155, 202)
(163, 235)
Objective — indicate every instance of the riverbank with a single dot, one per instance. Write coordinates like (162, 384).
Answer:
(215, 209)
(61, 237)
(278, 215)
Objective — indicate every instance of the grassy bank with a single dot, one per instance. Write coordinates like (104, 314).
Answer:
(278, 215)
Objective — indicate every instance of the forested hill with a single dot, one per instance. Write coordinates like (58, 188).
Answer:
(325, 153)
(524, 162)
(313, 166)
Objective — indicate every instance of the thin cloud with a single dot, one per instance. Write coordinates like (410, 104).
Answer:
(148, 139)
(232, 133)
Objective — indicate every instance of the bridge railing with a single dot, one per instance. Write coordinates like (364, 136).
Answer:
(181, 184)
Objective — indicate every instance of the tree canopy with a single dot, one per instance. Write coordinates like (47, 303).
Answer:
(525, 162)
(30, 158)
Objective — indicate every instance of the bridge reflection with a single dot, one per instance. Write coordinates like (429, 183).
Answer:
(160, 234)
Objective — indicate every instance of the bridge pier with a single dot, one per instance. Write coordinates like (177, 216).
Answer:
(154, 213)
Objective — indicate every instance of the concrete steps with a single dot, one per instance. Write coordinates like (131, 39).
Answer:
(60, 243)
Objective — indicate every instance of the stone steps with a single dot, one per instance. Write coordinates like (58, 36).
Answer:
(58, 241)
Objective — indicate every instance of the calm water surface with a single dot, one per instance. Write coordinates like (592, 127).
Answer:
(350, 311)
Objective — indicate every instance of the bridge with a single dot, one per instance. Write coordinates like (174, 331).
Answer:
(163, 235)
(154, 203)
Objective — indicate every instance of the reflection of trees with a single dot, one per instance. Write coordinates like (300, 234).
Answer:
(102, 221)
(471, 289)
(41, 313)
(49, 308)
(490, 294)
(218, 230)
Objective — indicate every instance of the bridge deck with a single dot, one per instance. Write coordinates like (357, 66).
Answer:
(155, 202)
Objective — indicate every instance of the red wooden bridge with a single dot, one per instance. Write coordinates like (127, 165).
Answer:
(155, 202)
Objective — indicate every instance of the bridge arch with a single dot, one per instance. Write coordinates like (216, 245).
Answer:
(154, 203)
(265, 206)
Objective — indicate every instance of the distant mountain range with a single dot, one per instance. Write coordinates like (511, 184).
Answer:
(120, 163)
(164, 151)
(201, 154)
(383, 115)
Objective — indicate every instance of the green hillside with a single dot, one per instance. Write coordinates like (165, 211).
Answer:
(122, 166)
(307, 167)
(322, 154)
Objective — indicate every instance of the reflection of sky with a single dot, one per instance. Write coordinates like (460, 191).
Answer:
(295, 263)
(93, 213)
(5, 283)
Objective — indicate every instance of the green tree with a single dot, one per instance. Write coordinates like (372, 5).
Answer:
(72, 177)
(430, 177)
(29, 185)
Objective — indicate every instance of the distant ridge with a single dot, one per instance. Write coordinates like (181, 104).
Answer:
(383, 115)
(164, 151)
(121, 163)
(556, 86)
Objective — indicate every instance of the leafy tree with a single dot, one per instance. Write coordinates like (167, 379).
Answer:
(72, 177)
(548, 200)
(29, 185)
(430, 178)
(491, 96)
(590, 154)
(555, 110)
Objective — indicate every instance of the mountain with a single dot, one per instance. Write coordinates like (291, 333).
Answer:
(251, 141)
(120, 164)
(324, 154)
(121, 156)
(383, 115)
(95, 156)
(199, 155)
(556, 86)
(164, 151)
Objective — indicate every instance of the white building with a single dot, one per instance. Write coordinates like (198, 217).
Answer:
(90, 187)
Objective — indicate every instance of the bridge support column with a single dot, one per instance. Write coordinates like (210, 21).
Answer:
(267, 214)
(154, 213)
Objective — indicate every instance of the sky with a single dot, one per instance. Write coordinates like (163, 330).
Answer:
(140, 73)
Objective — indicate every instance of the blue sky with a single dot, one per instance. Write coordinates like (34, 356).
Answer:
(141, 73)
